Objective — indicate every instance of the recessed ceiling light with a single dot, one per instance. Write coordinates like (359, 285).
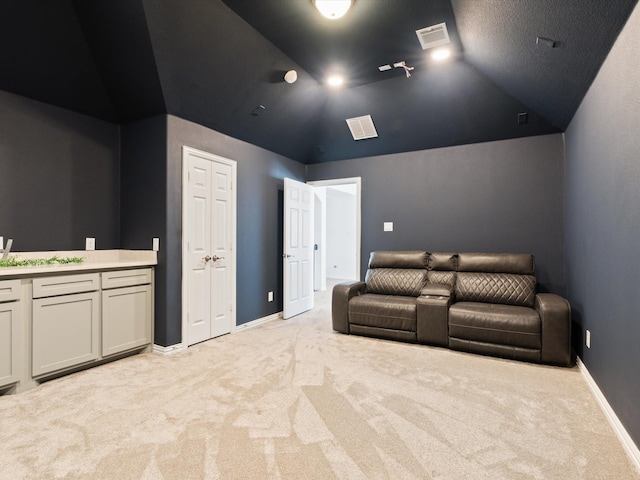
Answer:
(441, 54)
(333, 9)
(335, 80)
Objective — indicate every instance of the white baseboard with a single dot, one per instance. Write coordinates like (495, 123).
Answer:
(256, 322)
(170, 350)
(627, 442)
(181, 347)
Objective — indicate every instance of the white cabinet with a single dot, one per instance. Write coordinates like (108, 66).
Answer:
(65, 322)
(10, 332)
(57, 322)
(126, 310)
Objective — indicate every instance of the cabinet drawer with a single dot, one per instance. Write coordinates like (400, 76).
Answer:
(9, 290)
(126, 278)
(65, 285)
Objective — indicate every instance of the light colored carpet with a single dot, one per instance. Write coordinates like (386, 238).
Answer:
(294, 400)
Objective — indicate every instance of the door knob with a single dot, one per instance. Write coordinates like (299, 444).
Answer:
(216, 258)
(206, 259)
(286, 255)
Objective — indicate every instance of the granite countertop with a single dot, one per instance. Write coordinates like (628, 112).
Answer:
(92, 260)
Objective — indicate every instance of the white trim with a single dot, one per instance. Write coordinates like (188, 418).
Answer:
(256, 322)
(170, 350)
(234, 214)
(627, 442)
(347, 181)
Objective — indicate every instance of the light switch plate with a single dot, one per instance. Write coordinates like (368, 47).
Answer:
(388, 226)
(1, 243)
(270, 297)
(90, 243)
(156, 244)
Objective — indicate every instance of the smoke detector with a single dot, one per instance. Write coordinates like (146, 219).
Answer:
(362, 127)
(433, 36)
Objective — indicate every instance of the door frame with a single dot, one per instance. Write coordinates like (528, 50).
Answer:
(358, 183)
(186, 151)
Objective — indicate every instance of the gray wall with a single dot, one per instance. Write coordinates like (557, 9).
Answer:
(59, 177)
(259, 227)
(503, 196)
(603, 226)
(143, 197)
(152, 207)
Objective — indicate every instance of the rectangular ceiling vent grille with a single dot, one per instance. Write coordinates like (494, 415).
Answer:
(433, 36)
(362, 127)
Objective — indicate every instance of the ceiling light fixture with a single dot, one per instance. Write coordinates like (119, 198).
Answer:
(335, 81)
(441, 54)
(403, 64)
(332, 9)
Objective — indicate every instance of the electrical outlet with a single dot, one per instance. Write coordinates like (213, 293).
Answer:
(90, 243)
(588, 339)
(387, 226)
(270, 296)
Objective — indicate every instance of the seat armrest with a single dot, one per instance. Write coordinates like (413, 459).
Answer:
(555, 317)
(342, 293)
(432, 314)
(436, 290)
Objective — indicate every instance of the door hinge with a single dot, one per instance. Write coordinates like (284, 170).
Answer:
(231, 307)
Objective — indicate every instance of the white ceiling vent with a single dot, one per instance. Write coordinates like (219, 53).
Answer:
(362, 127)
(433, 36)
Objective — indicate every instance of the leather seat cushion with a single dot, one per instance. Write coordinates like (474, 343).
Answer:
(383, 311)
(494, 323)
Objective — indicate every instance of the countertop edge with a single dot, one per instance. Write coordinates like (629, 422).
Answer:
(100, 260)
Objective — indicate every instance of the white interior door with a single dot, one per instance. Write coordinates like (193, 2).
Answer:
(208, 260)
(298, 248)
(221, 305)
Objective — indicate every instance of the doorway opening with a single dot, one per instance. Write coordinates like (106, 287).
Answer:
(322, 236)
(337, 231)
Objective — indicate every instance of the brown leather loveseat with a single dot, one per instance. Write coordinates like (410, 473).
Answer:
(477, 302)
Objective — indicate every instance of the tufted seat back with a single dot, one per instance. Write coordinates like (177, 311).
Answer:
(504, 278)
(397, 273)
(442, 268)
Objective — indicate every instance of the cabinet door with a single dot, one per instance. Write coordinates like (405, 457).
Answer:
(126, 319)
(10, 323)
(65, 331)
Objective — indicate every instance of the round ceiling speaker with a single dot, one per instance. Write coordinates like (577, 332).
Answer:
(291, 76)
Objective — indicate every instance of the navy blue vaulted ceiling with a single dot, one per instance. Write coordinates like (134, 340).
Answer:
(213, 62)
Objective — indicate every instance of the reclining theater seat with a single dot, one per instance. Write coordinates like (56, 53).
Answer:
(383, 306)
(497, 312)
